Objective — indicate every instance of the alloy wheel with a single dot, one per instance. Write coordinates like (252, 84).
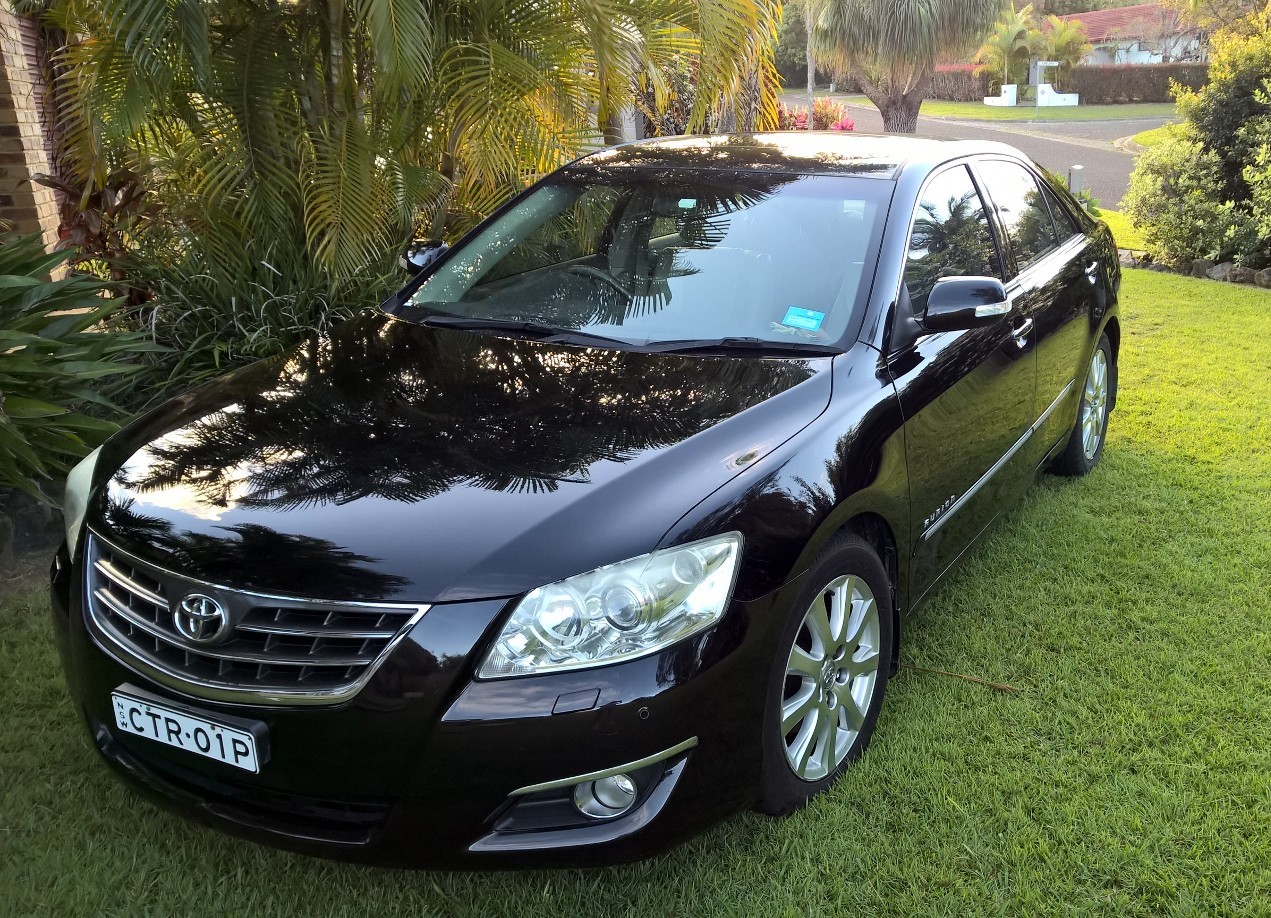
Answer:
(831, 675)
(1094, 404)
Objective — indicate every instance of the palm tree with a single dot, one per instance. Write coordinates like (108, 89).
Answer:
(1010, 46)
(892, 46)
(332, 129)
(1065, 41)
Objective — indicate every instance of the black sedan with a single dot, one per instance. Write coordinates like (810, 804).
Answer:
(609, 522)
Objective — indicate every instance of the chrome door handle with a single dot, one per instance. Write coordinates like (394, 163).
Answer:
(1020, 332)
(1092, 271)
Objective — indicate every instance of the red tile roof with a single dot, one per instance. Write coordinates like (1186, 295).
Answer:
(1145, 20)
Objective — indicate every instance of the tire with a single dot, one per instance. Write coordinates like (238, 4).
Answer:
(828, 705)
(1098, 394)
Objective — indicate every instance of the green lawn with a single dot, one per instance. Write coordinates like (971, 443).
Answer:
(1153, 136)
(1124, 232)
(1131, 774)
(978, 111)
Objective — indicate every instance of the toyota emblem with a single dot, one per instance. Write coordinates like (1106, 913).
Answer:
(200, 619)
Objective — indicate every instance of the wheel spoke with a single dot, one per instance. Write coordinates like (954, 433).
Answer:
(796, 708)
(818, 620)
(840, 607)
(855, 716)
(864, 613)
(802, 663)
(828, 757)
(801, 751)
(860, 666)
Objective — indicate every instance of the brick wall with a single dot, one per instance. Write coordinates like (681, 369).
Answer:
(24, 206)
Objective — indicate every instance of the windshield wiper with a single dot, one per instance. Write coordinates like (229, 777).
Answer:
(538, 331)
(759, 346)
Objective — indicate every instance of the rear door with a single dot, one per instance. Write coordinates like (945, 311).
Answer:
(1045, 266)
(968, 395)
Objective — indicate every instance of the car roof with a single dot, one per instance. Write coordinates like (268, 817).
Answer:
(806, 152)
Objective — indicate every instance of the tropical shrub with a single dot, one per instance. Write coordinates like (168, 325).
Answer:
(794, 118)
(56, 357)
(1202, 193)
(827, 115)
(1172, 200)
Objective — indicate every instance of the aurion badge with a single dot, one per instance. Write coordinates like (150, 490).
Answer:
(200, 618)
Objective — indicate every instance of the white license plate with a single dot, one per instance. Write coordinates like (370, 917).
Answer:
(140, 717)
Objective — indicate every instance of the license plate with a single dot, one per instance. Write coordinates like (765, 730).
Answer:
(182, 730)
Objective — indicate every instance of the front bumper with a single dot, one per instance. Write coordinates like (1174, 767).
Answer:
(420, 768)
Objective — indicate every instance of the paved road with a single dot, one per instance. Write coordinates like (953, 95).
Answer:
(1056, 145)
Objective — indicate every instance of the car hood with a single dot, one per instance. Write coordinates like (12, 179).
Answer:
(392, 460)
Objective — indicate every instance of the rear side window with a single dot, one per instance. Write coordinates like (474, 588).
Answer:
(949, 237)
(1022, 209)
(1065, 226)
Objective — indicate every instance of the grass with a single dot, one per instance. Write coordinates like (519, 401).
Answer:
(1153, 136)
(1131, 775)
(1124, 232)
(978, 111)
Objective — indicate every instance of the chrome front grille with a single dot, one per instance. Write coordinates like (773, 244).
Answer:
(273, 649)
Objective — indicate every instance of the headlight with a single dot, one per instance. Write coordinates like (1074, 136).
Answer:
(75, 501)
(618, 612)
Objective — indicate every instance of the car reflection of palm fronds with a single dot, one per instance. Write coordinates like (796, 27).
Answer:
(945, 245)
(487, 413)
(346, 575)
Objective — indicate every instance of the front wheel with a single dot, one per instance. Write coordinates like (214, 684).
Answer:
(1085, 444)
(828, 678)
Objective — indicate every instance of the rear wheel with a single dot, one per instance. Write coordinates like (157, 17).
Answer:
(1085, 444)
(828, 678)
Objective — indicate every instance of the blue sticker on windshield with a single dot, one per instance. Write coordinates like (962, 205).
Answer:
(807, 319)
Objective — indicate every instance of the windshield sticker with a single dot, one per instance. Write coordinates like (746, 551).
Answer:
(688, 203)
(807, 319)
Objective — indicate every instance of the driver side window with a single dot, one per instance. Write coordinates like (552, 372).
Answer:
(949, 237)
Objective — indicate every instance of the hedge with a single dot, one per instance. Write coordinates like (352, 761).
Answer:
(958, 86)
(1112, 83)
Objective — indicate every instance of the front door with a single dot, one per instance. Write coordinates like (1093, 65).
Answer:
(967, 396)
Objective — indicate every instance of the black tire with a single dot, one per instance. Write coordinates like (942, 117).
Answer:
(1078, 458)
(782, 790)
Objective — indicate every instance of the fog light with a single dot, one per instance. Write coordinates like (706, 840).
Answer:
(605, 798)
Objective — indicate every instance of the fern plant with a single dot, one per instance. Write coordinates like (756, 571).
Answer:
(54, 358)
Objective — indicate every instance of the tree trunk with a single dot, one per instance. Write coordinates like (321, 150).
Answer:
(900, 113)
(613, 128)
(811, 69)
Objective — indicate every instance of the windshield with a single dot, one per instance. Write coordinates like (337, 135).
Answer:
(647, 257)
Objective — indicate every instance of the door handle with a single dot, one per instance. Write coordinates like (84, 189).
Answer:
(1092, 271)
(1021, 331)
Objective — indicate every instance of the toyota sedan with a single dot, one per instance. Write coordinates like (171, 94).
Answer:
(606, 525)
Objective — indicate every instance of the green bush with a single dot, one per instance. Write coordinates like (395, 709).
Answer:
(1202, 192)
(1234, 100)
(1172, 200)
(57, 355)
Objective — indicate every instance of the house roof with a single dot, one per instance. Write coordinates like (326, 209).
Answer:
(1144, 20)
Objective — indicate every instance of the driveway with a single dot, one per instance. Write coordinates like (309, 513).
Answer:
(1055, 145)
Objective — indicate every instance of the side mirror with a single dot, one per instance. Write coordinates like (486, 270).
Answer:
(421, 253)
(958, 303)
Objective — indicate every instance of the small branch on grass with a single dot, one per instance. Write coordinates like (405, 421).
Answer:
(1000, 686)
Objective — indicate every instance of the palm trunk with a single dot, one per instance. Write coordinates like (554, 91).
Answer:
(900, 114)
(811, 70)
